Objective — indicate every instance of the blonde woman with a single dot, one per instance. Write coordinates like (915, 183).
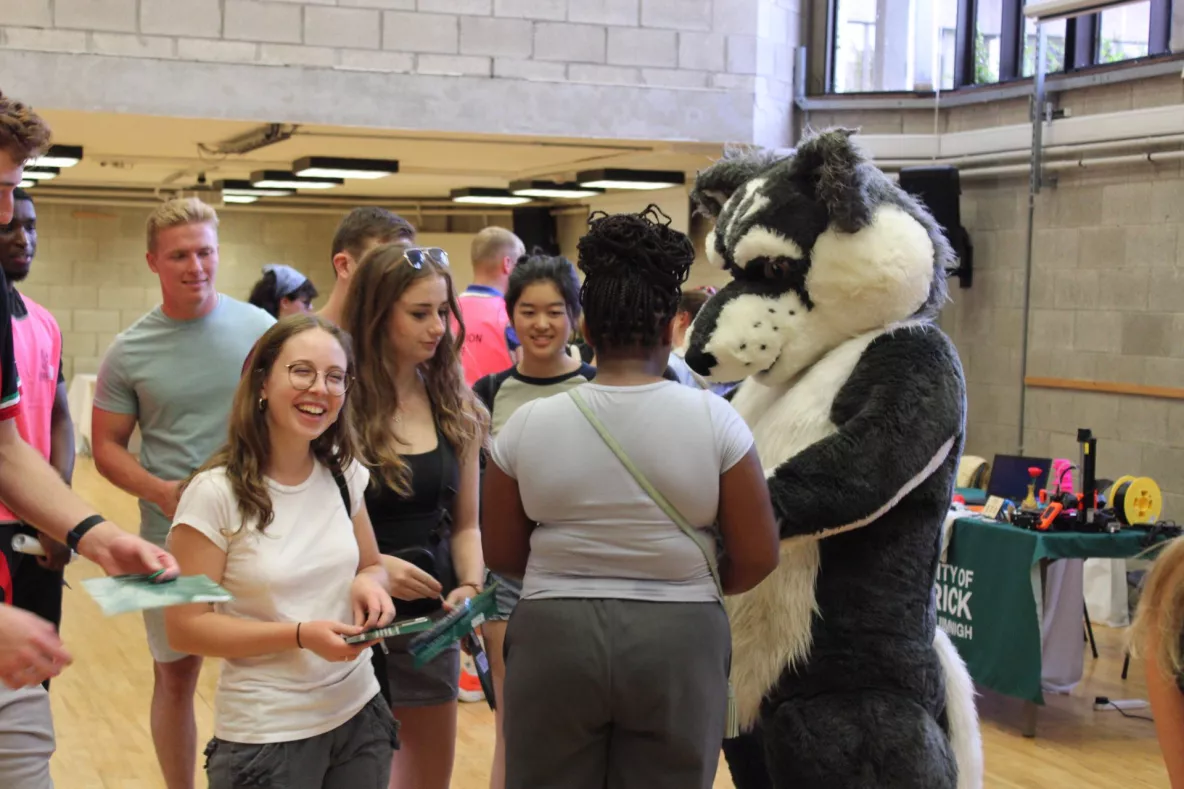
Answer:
(1158, 637)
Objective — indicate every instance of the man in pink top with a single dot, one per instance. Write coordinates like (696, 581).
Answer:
(490, 341)
(44, 419)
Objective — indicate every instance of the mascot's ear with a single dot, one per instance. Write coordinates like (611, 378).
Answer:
(830, 161)
(714, 185)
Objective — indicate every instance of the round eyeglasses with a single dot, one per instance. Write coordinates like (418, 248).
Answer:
(416, 256)
(303, 376)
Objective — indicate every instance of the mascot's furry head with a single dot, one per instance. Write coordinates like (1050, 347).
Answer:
(822, 246)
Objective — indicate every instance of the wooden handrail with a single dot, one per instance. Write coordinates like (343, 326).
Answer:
(1106, 387)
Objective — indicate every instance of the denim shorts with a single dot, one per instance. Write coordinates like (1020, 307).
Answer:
(507, 595)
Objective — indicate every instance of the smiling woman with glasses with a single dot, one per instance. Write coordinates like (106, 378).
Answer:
(422, 429)
(278, 518)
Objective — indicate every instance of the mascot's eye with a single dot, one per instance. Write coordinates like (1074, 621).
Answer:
(776, 269)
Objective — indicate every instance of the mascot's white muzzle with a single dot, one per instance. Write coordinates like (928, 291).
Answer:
(743, 335)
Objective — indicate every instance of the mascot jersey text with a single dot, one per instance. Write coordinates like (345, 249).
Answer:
(857, 403)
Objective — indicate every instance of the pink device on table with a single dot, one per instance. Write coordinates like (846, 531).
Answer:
(1060, 477)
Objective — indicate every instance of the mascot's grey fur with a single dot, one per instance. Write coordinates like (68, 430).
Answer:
(857, 402)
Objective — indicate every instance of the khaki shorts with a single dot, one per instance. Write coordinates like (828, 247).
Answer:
(26, 738)
(158, 639)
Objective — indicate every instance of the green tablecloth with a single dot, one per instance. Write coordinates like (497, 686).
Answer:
(989, 600)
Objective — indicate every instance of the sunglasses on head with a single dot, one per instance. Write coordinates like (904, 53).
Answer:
(416, 255)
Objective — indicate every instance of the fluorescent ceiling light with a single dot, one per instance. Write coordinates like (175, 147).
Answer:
(1049, 10)
(339, 167)
(41, 173)
(631, 179)
(234, 187)
(26, 184)
(280, 179)
(485, 196)
(59, 156)
(233, 198)
(552, 189)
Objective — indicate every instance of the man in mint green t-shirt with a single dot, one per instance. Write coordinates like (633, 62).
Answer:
(173, 372)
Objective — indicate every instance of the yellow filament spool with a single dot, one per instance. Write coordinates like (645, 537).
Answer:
(1136, 500)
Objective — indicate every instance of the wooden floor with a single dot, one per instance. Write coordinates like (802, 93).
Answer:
(100, 708)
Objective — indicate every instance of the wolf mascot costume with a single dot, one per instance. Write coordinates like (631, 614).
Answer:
(857, 403)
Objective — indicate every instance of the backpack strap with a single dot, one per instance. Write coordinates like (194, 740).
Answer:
(732, 724)
(342, 486)
(377, 655)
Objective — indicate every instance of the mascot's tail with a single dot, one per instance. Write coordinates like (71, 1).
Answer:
(965, 737)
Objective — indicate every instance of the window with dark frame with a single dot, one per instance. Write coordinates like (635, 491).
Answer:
(951, 44)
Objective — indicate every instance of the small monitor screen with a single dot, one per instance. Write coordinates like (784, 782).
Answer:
(1010, 478)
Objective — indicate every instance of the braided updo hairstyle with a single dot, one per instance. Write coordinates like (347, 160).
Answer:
(634, 266)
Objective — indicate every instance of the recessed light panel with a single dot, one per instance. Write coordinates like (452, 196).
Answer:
(41, 173)
(485, 196)
(281, 179)
(241, 187)
(631, 179)
(340, 167)
(552, 189)
(59, 156)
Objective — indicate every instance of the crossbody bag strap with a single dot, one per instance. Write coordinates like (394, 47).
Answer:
(670, 510)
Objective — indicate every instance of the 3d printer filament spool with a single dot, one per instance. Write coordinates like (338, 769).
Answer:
(1136, 500)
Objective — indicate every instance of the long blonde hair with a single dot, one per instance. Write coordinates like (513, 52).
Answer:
(381, 278)
(248, 448)
(1160, 612)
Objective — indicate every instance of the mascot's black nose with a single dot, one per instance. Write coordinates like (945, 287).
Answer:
(700, 362)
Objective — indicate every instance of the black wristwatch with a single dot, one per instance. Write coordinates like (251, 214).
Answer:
(75, 535)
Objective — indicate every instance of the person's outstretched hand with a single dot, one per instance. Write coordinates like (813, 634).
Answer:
(120, 553)
(30, 649)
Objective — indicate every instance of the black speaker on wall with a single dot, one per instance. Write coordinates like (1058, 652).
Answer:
(537, 229)
(939, 189)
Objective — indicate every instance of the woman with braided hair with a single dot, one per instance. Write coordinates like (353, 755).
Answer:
(617, 655)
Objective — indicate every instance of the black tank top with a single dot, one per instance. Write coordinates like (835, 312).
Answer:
(417, 528)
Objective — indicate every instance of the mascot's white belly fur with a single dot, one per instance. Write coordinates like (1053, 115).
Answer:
(771, 623)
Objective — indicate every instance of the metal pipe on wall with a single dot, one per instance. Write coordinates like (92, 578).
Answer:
(1100, 162)
(1025, 153)
(1035, 179)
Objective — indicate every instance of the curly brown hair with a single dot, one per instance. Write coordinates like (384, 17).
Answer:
(374, 290)
(247, 451)
(24, 135)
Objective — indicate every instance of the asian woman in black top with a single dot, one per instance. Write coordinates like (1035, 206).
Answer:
(421, 430)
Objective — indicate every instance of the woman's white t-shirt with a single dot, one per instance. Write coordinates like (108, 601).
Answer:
(599, 534)
(299, 569)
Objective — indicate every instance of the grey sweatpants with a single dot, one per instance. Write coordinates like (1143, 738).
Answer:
(615, 693)
(26, 738)
(355, 755)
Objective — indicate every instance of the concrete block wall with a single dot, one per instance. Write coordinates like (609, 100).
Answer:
(91, 274)
(725, 46)
(1106, 302)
